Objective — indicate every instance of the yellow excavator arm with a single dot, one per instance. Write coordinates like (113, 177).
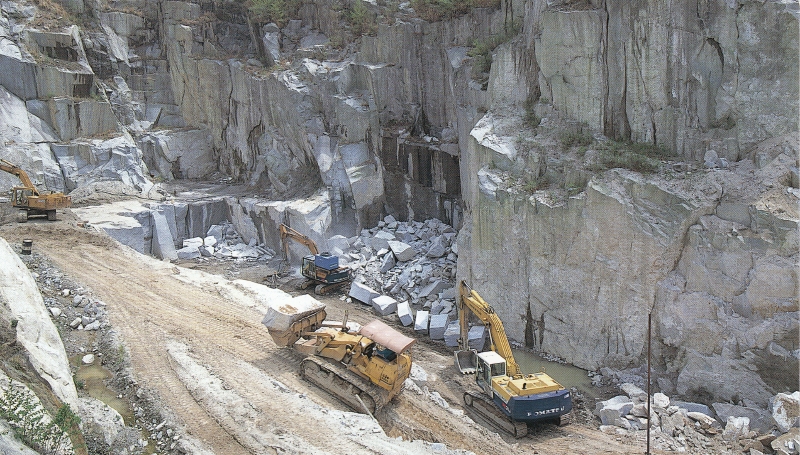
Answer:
(289, 233)
(470, 300)
(22, 175)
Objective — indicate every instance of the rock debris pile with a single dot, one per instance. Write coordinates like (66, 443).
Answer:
(679, 426)
(223, 242)
(408, 268)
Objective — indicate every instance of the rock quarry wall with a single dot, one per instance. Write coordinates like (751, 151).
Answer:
(405, 122)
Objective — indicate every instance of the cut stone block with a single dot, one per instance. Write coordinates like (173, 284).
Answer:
(476, 337)
(451, 334)
(421, 321)
(381, 240)
(283, 312)
(189, 252)
(195, 242)
(404, 313)
(384, 305)
(388, 263)
(437, 326)
(402, 251)
(449, 293)
(362, 293)
(433, 288)
(163, 245)
(340, 242)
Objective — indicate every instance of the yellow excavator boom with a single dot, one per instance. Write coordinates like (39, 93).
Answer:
(469, 299)
(289, 233)
(21, 175)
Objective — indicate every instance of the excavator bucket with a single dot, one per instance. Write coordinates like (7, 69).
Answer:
(466, 361)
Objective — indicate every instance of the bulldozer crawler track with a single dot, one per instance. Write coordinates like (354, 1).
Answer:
(486, 409)
(343, 384)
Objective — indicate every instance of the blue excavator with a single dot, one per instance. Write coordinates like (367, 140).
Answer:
(321, 270)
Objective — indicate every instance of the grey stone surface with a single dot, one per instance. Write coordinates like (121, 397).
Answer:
(404, 313)
(163, 244)
(476, 337)
(692, 407)
(437, 326)
(402, 251)
(384, 305)
(362, 293)
(452, 334)
(189, 252)
(421, 320)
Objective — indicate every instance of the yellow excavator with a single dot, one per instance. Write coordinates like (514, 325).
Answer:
(364, 369)
(509, 399)
(28, 198)
(321, 270)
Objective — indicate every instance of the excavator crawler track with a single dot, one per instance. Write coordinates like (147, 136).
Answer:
(484, 407)
(343, 384)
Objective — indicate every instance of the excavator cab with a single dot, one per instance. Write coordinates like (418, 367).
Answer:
(489, 365)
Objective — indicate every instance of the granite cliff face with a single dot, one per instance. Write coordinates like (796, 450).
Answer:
(334, 132)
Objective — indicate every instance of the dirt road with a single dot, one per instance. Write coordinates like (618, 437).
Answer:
(232, 391)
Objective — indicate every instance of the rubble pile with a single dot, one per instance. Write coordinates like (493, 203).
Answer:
(223, 242)
(408, 269)
(693, 427)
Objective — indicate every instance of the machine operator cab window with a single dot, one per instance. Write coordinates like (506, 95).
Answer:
(490, 365)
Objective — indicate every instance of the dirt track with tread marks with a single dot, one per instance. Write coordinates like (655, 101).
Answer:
(151, 308)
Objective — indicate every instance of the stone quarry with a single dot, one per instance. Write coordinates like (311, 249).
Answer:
(587, 166)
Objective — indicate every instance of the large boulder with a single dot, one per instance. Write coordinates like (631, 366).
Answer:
(786, 410)
(35, 330)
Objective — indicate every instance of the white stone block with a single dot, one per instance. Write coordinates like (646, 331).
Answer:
(163, 245)
(404, 313)
(452, 334)
(282, 312)
(437, 326)
(362, 293)
(384, 305)
(785, 409)
(195, 242)
(340, 242)
(402, 251)
(421, 321)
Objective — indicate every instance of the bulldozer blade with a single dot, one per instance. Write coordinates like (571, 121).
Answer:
(466, 361)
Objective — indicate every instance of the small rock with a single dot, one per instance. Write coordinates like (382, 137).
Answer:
(88, 359)
(93, 326)
(56, 312)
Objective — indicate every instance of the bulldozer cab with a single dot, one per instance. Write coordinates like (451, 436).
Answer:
(489, 365)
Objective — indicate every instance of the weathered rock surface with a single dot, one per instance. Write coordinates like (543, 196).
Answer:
(35, 331)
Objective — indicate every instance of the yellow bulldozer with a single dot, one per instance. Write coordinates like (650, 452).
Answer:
(363, 368)
(28, 198)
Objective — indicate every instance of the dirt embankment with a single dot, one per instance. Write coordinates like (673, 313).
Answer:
(227, 386)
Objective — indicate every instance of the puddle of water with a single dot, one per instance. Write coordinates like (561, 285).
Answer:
(566, 375)
(93, 377)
